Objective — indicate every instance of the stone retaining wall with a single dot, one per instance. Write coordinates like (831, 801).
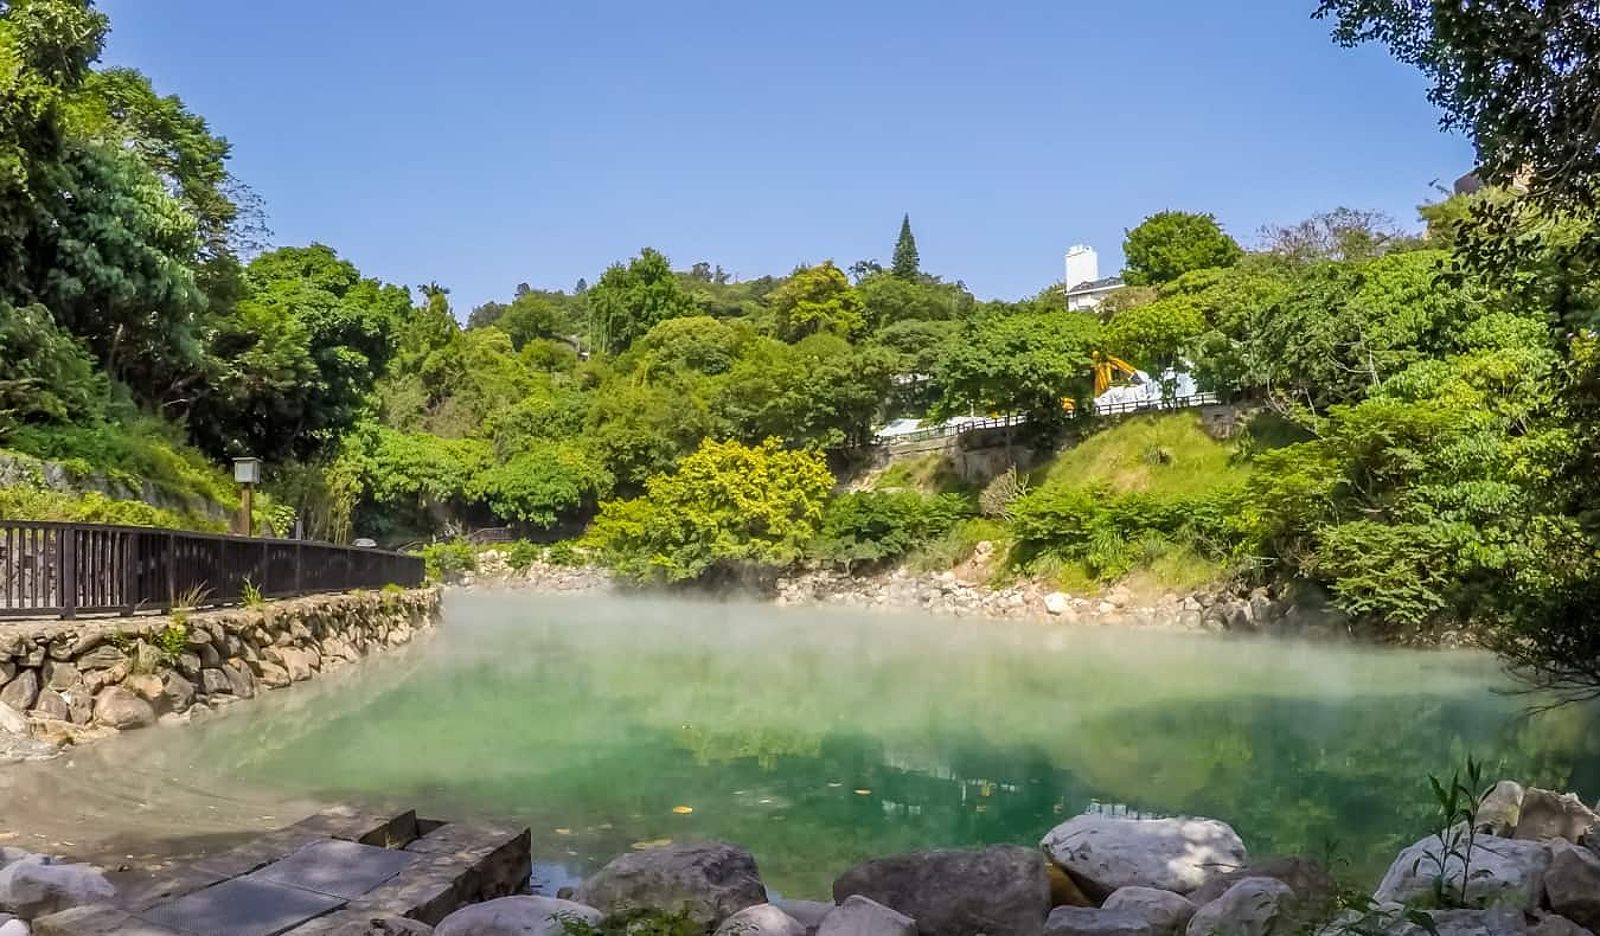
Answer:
(63, 682)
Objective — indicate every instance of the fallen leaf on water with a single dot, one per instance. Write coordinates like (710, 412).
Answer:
(563, 831)
(653, 843)
(683, 810)
(863, 792)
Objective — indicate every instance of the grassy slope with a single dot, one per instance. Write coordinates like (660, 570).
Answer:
(1168, 454)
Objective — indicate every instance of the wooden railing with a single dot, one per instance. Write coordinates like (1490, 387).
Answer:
(66, 569)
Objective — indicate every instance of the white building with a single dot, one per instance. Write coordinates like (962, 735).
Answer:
(1085, 288)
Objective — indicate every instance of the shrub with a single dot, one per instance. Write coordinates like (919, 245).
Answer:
(996, 499)
(728, 506)
(523, 554)
(446, 561)
(879, 527)
(564, 553)
(1111, 533)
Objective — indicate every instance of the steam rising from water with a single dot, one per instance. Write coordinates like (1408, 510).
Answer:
(818, 738)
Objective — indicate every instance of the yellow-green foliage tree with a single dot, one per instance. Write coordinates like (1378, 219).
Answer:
(727, 508)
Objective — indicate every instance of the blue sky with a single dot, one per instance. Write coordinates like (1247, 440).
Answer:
(484, 143)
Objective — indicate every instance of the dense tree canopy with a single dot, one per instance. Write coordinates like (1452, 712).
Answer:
(1167, 245)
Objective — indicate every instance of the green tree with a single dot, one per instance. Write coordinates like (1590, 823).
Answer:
(1169, 244)
(888, 300)
(1019, 362)
(541, 484)
(1518, 76)
(297, 359)
(728, 508)
(46, 375)
(907, 264)
(817, 299)
(821, 391)
(629, 300)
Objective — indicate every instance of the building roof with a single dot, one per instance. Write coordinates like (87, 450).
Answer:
(1099, 285)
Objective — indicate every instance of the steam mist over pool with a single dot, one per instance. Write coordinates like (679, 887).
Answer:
(818, 739)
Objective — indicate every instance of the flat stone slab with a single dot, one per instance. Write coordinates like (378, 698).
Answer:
(336, 868)
(242, 907)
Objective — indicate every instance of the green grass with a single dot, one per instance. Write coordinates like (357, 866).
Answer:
(1166, 454)
(28, 503)
(929, 474)
(141, 449)
(958, 545)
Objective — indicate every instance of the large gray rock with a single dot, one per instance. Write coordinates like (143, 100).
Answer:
(1252, 907)
(1501, 921)
(1164, 912)
(1179, 855)
(14, 927)
(121, 709)
(50, 704)
(808, 913)
(213, 681)
(1500, 809)
(998, 891)
(177, 693)
(516, 916)
(712, 880)
(761, 920)
(383, 926)
(1502, 871)
(1546, 815)
(20, 692)
(1552, 924)
(1313, 886)
(102, 657)
(859, 916)
(1572, 883)
(32, 889)
(1093, 921)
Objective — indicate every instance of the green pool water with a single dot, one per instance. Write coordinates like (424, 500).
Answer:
(818, 739)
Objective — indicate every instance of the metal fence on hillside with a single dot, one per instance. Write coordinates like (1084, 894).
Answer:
(66, 569)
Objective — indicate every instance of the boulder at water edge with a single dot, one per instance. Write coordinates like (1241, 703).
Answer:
(1572, 883)
(1178, 855)
(13, 927)
(761, 920)
(858, 916)
(1546, 815)
(119, 708)
(516, 916)
(1092, 921)
(32, 889)
(712, 880)
(1552, 924)
(1313, 886)
(1502, 871)
(1258, 906)
(808, 913)
(1165, 913)
(998, 891)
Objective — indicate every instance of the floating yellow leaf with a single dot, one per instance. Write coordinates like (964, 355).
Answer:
(683, 810)
(863, 792)
(653, 843)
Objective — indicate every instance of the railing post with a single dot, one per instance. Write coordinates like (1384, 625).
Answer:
(266, 566)
(172, 570)
(67, 569)
(299, 581)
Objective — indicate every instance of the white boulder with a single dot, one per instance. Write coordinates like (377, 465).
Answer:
(1178, 855)
(1258, 906)
(1091, 921)
(761, 920)
(32, 889)
(858, 916)
(1500, 871)
(1164, 912)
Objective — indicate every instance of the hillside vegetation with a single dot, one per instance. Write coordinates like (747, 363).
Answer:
(1441, 390)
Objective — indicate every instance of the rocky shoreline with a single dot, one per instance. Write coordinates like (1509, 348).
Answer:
(71, 682)
(1523, 863)
(1256, 610)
